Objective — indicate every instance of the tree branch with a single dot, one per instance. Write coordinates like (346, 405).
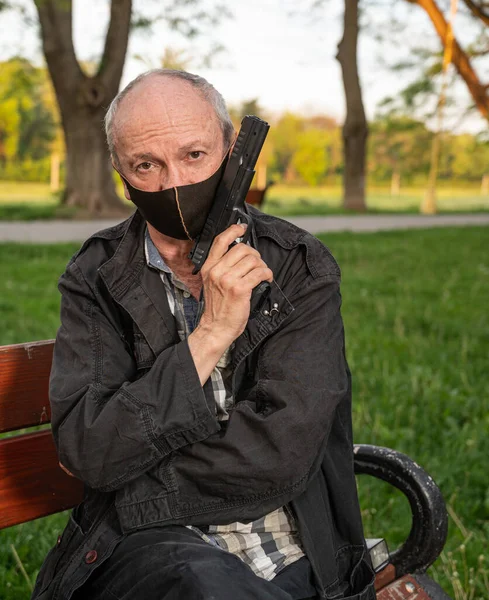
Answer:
(477, 11)
(116, 41)
(347, 57)
(56, 33)
(459, 57)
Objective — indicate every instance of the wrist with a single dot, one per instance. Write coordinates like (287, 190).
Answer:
(211, 338)
(206, 348)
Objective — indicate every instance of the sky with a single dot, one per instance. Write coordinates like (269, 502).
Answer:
(274, 50)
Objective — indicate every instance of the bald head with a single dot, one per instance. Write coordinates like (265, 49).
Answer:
(157, 88)
(164, 132)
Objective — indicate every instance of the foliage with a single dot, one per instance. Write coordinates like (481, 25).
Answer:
(26, 170)
(294, 136)
(309, 160)
(26, 102)
(417, 327)
(468, 157)
(398, 144)
(28, 121)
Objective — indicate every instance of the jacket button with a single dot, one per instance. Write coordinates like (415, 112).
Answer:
(59, 540)
(91, 557)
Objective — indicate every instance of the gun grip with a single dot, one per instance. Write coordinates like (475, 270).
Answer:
(258, 297)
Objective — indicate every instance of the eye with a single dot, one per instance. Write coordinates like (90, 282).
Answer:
(145, 166)
(195, 155)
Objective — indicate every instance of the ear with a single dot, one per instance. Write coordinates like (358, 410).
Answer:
(231, 147)
(126, 191)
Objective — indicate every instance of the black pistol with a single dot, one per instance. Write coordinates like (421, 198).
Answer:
(228, 207)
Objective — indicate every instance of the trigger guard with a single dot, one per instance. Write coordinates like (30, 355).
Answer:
(244, 218)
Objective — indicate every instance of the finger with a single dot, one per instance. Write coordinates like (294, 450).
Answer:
(255, 277)
(236, 254)
(227, 278)
(222, 242)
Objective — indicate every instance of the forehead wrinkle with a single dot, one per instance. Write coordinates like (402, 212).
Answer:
(137, 141)
(155, 116)
(183, 127)
(173, 102)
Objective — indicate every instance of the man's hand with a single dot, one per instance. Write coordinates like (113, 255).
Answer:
(228, 277)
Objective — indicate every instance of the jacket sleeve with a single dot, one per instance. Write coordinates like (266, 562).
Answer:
(275, 436)
(110, 426)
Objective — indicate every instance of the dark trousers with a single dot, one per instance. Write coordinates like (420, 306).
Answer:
(174, 563)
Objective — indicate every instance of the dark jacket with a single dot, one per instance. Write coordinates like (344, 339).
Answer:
(131, 420)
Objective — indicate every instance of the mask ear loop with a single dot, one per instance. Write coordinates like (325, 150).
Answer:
(181, 215)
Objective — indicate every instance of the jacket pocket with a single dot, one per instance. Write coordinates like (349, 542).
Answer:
(142, 352)
(362, 582)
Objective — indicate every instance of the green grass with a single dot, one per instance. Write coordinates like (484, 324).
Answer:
(417, 324)
(17, 192)
(295, 200)
(30, 201)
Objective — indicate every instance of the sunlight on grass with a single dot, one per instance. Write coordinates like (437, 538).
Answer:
(288, 200)
(12, 192)
(30, 201)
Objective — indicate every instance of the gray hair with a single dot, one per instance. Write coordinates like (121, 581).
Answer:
(207, 90)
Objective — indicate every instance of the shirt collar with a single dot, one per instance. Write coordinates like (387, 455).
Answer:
(153, 257)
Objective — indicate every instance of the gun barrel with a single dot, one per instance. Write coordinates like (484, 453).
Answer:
(233, 187)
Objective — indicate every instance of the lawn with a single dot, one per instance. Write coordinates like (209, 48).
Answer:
(294, 200)
(417, 324)
(29, 201)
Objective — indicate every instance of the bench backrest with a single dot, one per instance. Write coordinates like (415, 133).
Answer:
(32, 484)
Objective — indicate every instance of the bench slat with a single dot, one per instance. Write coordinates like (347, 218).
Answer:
(24, 381)
(32, 484)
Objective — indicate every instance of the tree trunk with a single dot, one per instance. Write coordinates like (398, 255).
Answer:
(428, 205)
(83, 101)
(89, 183)
(355, 129)
(485, 185)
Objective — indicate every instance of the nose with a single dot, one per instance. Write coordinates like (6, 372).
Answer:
(173, 176)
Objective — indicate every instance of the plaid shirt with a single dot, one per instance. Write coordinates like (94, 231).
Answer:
(272, 542)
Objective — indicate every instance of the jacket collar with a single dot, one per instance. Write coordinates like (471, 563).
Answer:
(137, 288)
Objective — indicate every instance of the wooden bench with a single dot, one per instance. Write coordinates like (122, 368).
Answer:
(256, 196)
(33, 485)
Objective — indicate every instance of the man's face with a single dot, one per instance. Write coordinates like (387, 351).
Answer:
(167, 135)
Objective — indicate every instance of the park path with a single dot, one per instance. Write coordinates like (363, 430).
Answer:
(77, 231)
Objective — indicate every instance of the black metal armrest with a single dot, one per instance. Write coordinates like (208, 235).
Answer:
(429, 516)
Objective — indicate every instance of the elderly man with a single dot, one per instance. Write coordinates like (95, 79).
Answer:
(215, 448)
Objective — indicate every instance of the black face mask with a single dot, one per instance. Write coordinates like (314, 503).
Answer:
(178, 212)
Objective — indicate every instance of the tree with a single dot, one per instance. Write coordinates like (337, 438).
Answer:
(355, 129)
(84, 98)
